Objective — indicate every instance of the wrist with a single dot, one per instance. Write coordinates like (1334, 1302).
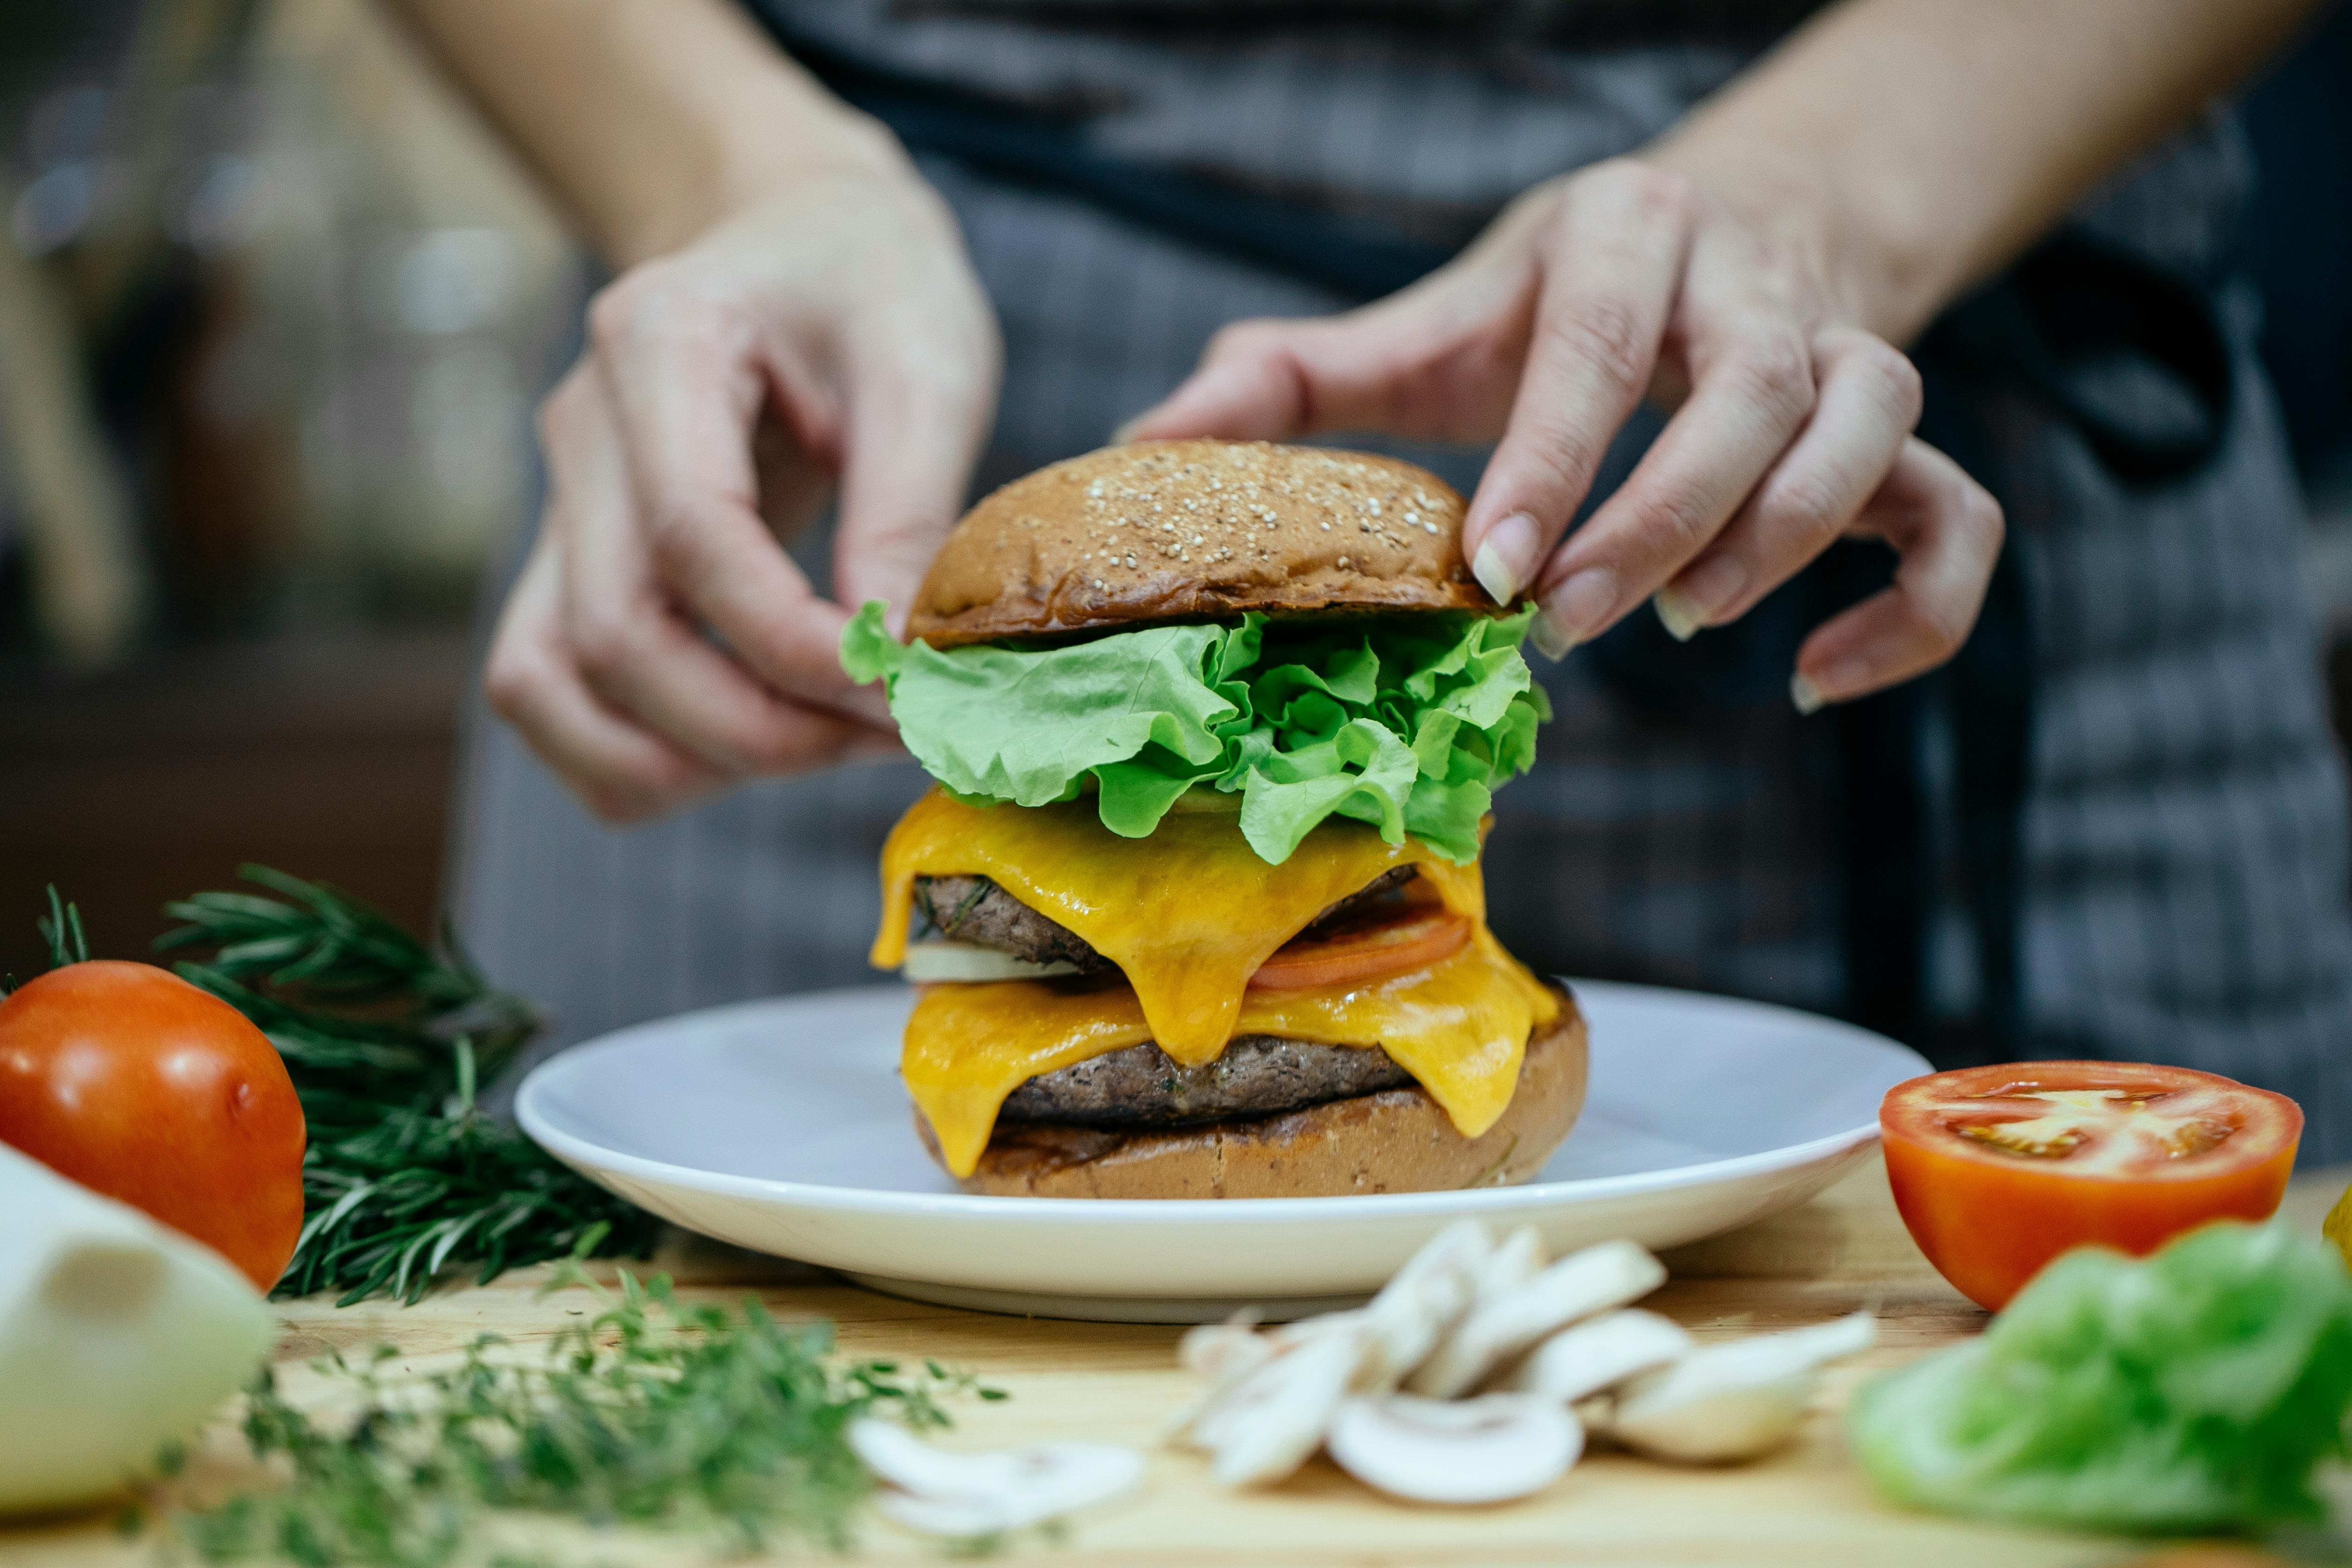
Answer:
(1805, 213)
(1870, 250)
(752, 153)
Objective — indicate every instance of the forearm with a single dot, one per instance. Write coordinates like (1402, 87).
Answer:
(1931, 140)
(648, 119)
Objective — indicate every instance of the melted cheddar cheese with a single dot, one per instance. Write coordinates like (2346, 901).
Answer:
(1458, 1026)
(1188, 914)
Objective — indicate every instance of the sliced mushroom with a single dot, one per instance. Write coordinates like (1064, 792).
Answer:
(1509, 1266)
(1224, 1353)
(1488, 1450)
(1423, 1300)
(1266, 1425)
(1582, 1361)
(1734, 1400)
(1578, 1286)
(939, 1492)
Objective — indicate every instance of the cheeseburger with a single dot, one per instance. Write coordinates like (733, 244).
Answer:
(1195, 907)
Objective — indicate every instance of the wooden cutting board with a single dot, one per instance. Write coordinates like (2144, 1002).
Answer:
(1117, 1382)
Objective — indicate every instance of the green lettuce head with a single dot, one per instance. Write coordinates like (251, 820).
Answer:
(1406, 723)
(2204, 1388)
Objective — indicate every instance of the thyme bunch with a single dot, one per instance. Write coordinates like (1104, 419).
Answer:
(651, 1413)
(386, 1039)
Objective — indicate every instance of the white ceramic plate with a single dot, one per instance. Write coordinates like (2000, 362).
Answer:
(781, 1126)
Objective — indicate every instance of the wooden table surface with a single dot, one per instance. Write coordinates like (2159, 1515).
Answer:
(1119, 1383)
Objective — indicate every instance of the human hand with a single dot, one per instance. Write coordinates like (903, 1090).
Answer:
(659, 644)
(1626, 281)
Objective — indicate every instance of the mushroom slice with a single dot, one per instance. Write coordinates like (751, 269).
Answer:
(939, 1492)
(1266, 1425)
(1224, 1353)
(1734, 1400)
(1578, 1286)
(1509, 1266)
(1421, 1302)
(1489, 1449)
(1579, 1361)
(1298, 1331)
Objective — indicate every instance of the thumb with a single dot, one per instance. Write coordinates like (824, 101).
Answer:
(1406, 365)
(913, 435)
(1252, 384)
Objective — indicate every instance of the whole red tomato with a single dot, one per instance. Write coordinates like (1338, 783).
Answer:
(1998, 1170)
(130, 1080)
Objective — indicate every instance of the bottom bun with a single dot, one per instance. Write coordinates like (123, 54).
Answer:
(1397, 1141)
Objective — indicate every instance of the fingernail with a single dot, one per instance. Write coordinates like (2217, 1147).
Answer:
(1680, 618)
(1580, 607)
(1708, 589)
(1547, 640)
(1805, 694)
(1507, 557)
(1126, 430)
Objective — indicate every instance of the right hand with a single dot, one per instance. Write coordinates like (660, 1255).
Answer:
(659, 644)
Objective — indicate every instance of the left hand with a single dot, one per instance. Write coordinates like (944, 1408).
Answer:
(1791, 424)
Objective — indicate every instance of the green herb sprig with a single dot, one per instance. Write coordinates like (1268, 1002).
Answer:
(386, 1039)
(653, 1414)
(61, 929)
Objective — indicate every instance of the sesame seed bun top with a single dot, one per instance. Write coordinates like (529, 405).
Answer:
(1165, 531)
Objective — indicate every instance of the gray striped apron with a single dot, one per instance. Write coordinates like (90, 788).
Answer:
(2178, 858)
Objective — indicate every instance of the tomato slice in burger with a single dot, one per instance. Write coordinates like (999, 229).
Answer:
(1373, 950)
(1998, 1170)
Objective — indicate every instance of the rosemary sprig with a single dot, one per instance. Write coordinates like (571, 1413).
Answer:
(61, 929)
(651, 1413)
(385, 1037)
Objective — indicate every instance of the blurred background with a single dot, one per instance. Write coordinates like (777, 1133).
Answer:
(275, 310)
(274, 313)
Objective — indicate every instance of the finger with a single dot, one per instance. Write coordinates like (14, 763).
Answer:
(632, 648)
(1948, 531)
(918, 413)
(1869, 402)
(620, 771)
(685, 379)
(1438, 361)
(1613, 261)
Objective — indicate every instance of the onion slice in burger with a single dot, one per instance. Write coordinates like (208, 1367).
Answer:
(929, 962)
(1353, 953)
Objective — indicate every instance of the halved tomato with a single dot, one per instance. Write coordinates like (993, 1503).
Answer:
(1355, 953)
(1998, 1170)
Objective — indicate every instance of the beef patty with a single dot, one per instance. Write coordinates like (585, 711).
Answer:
(975, 909)
(1259, 1075)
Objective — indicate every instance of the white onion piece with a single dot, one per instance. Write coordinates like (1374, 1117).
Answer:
(930, 962)
(939, 1492)
(116, 1336)
(1489, 1449)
